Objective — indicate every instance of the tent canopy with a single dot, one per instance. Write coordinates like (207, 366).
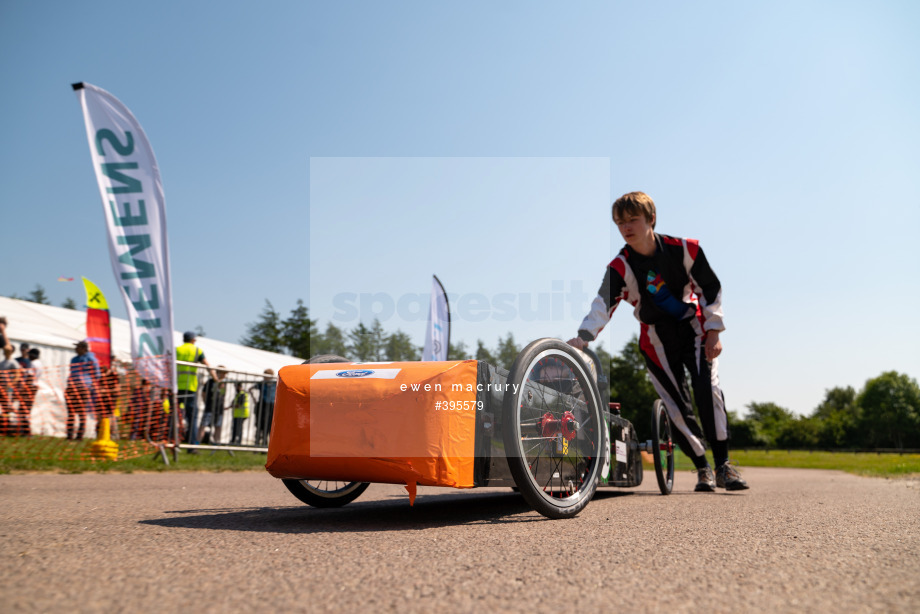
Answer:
(55, 330)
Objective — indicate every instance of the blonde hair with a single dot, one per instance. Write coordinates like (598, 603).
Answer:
(634, 203)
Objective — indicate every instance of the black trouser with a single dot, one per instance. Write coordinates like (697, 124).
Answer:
(27, 392)
(188, 401)
(6, 408)
(668, 347)
(264, 422)
(237, 436)
(79, 400)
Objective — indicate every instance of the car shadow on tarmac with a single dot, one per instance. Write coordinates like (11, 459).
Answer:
(390, 514)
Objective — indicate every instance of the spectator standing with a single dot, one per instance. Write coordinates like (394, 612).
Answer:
(4, 341)
(9, 382)
(240, 413)
(37, 370)
(215, 399)
(79, 394)
(27, 390)
(142, 410)
(23, 359)
(187, 384)
(159, 422)
(37, 366)
(265, 407)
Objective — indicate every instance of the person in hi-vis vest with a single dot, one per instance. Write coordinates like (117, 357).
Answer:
(240, 413)
(187, 384)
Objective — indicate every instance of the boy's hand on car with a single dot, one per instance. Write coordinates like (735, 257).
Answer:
(578, 343)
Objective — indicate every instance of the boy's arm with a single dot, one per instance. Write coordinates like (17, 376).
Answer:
(604, 304)
(706, 286)
(708, 290)
(713, 346)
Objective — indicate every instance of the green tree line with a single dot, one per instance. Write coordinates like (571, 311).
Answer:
(38, 295)
(299, 335)
(885, 413)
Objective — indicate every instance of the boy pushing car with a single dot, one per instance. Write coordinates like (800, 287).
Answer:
(677, 299)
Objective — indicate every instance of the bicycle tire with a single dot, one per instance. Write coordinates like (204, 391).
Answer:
(556, 483)
(310, 491)
(663, 448)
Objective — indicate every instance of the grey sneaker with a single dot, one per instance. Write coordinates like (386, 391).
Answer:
(727, 477)
(705, 480)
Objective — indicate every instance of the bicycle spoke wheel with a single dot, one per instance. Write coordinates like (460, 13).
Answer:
(663, 448)
(325, 493)
(553, 429)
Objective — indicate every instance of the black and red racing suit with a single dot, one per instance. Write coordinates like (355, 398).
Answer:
(677, 299)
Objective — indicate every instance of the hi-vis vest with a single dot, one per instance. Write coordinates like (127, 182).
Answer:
(241, 405)
(187, 376)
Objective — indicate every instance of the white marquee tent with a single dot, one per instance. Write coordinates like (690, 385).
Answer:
(55, 330)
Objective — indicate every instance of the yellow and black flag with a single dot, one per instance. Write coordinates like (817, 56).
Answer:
(98, 324)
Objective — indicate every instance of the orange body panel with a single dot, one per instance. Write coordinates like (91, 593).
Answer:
(376, 423)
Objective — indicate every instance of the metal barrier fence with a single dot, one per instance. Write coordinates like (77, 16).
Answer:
(53, 413)
(230, 410)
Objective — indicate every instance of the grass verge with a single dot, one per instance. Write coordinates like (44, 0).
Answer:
(885, 465)
(16, 456)
(861, 463)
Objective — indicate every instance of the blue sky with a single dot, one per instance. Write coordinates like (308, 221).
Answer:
(328, 150)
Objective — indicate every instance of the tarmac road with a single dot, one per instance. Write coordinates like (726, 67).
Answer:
(196, 542)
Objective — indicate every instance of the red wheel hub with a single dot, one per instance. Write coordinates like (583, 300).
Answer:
(550, 426)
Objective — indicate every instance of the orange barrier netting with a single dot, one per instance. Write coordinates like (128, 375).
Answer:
(61, 413)
(54, 413)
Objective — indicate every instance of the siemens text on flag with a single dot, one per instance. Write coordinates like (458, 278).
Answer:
(135, 213)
